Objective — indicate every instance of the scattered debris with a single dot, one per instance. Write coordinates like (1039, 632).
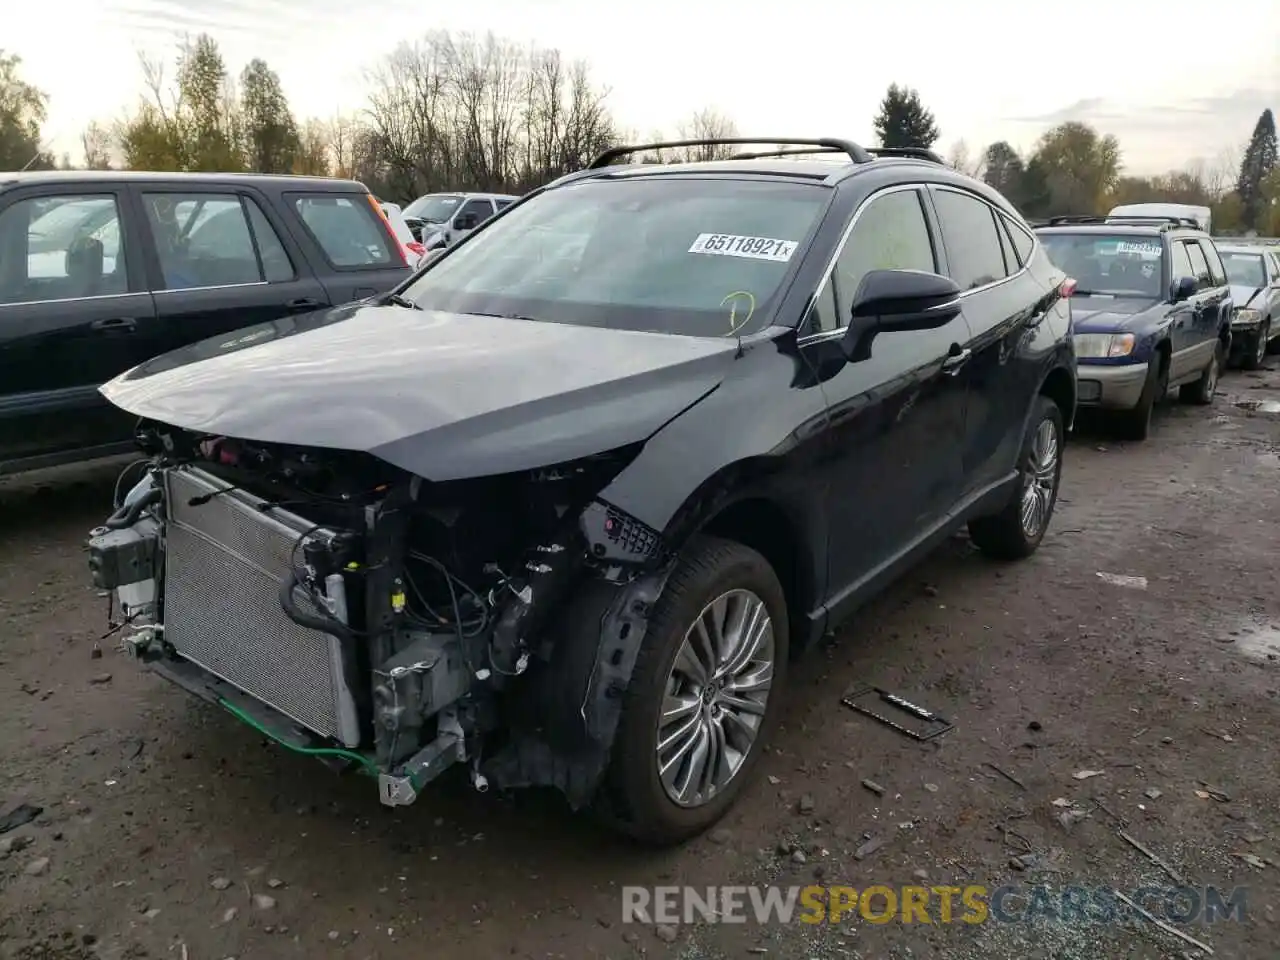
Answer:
(1086, 774)
(934, 725)
(806, 804)
(1152, 857)
(720, 835)
(774, 780)
(1152, 793)
(1026, 861)
(229, 914)
(275, 884)
(264, 902)
(99, 679)
(36, 867)
(868, 848)
(220, 883)
(1220, 795)
(1123, 580)
(1185, 938)
(1062, 802)
(1069, 818)
(876, 788)
(20, 815)
(1008, 776)
(1034, 726)
(13, 844)
(1252, 860)
(931, 787)
(797, 856)
(666, 933)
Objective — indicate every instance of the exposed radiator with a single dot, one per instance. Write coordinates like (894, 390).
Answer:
(224, 561)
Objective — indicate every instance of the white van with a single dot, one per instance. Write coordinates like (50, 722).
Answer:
(1192, 212)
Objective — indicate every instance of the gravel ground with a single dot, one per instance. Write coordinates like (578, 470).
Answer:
(169, 830)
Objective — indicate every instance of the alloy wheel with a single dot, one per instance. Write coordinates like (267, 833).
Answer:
(1041, 479)
(715, 698)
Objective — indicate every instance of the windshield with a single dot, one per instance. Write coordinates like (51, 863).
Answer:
(433, 208)
(698, 257)
(1245, 269)
(1111, 264)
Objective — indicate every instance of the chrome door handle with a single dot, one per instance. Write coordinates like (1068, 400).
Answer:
(951, 366)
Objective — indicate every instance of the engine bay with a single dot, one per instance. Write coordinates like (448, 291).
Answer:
(398, 624)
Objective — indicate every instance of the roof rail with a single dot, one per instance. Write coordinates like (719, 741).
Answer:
(910, 153)
(830, 145)
(1135, 221)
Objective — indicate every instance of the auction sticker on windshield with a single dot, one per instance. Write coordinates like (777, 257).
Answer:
(1139, 249)
(753, 248)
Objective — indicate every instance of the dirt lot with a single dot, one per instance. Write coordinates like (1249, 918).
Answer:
(169, 830)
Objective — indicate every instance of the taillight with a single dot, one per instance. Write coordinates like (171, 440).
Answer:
(416, 248)
(386, 225)
(1068, 287)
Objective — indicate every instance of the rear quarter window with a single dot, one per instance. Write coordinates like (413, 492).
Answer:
(349, 231)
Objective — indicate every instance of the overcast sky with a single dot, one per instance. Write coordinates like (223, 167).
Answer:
(989, 69)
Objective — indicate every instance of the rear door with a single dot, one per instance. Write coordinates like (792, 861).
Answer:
(1199, 330)
(74, 313)
(349, 241)
(986, 253)
(217, 263)
(1219, 303)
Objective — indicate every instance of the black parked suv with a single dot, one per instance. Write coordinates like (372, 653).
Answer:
(1152, 309)
(101, 271)
(562, 507)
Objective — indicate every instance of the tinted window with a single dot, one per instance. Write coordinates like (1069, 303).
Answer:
(1246, 269)
(1199, 265)
(1023, 242)
(1011, 263)
(891, 234)
(59, 248)
(824, 315)
(969, 232)
(276, 265)
(481, 209)
(1216, 272)
(201, 239)
(1180, 265)
(350, 232)
(1112, 264)
(700, 257)
(503, 204)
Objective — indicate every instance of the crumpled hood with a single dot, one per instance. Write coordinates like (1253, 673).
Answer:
(444, 396)
(1108, 314)
(1242, 293)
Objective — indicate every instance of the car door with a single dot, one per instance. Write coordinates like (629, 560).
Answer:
(896, 419)
(986, 254)
(1273, 289)
(74, 313)
(473, 213)
(218, 264)
(1183, 335)
(348, 241)
(1218, 304)
(1199, 332)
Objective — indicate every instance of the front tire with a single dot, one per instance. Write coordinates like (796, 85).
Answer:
(703, 697)
(1135, 424)
(1016, 531)
(1257, 350)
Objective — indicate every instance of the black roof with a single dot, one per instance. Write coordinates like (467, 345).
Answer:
(322, 184)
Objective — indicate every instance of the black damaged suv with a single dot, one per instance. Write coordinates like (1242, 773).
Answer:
(561, 508)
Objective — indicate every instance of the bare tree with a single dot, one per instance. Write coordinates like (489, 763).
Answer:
(959, 158)
(706, 124)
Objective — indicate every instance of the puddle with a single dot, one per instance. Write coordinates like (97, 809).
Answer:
(1256, 641)
(1260, 406)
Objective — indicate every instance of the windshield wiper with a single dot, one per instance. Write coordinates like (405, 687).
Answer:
(395, 300)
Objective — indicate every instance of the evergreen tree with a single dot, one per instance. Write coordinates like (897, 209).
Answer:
(903, 120)
(1258, 163)
(22, 111)
(270, 132)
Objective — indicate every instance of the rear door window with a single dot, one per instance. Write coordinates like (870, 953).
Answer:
(350, 232)
(1217, 273)
(1023, 242)
(1199, 265)
(974, 253)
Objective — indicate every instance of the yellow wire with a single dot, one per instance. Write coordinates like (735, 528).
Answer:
(734, 326)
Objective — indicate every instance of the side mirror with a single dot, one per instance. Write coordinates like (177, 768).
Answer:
(890, 301)
(466, 221)
(1183, 288)
(436, 241)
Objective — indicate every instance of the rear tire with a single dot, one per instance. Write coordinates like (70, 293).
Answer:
(635, 797)
(1016, 531)
(1201, 392)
